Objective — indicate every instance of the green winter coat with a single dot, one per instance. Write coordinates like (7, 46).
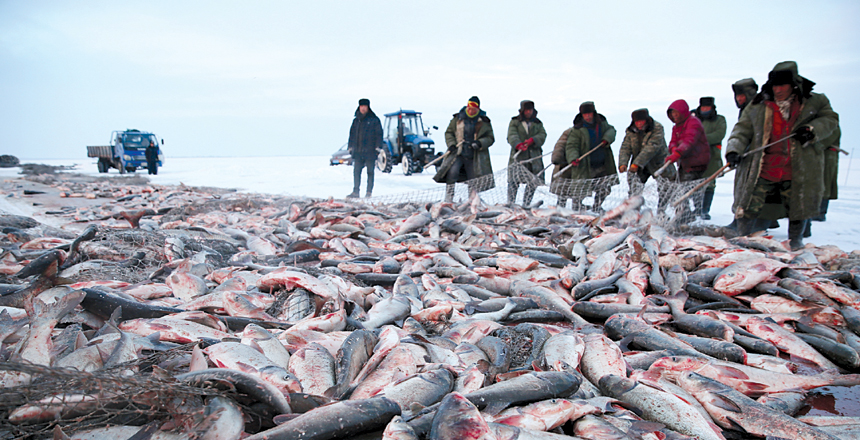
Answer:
(646, 150)
(454, 140)
(517, 133)
(807, 162)
(579, 143)
(715, 131)
(831, 165)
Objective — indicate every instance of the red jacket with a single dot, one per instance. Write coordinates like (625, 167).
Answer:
(776, 162)
(688, 139)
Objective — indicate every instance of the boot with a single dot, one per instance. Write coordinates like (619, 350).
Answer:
(822, 216)
(706, 204)
(733, 225)
(759, 225)
(795, 233)
(352, 195)
(368, 194)
(745, 226)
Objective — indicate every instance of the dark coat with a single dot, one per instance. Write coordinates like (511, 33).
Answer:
(365, 135)
(517, 133)
(481, 159)
(646, 149)
(807, 161)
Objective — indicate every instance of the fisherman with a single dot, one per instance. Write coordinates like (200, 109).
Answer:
(715, 130)
(365, 136)
(469, 136)
(744, 90)
(796, 121)
(151, 157)
(526, 136)
(591, 134)
(644, 145)
(689, 146)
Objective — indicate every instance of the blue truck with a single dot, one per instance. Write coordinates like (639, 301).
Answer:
(406, 141)
(126, 152)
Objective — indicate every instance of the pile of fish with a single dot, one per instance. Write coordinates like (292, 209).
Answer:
(327, 319)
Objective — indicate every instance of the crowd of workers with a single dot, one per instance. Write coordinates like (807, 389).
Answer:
(783, 149)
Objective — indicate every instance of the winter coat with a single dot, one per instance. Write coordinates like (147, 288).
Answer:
(688, 139)
(365, 135)
(715, 130)
(517, 133)
(579, 143)
(559, 159)
(454, 140)
(831, 165)
(646, 149)
(753, 130)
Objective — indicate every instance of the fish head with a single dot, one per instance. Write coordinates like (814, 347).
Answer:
(616, 385)
(694, 382)
(677, 364)
(281, 379)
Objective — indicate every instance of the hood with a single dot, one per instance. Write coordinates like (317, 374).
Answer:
(579, 121)
(802, 86)
(681, 107)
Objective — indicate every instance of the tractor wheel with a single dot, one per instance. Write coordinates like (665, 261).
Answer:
(131, 169)
(103, 166)
(406, 162)
(383, 161)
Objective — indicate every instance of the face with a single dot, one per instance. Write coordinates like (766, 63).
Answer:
(741, 99)
(528, 113)
(472, 111)
(782, 92)
(705, 108)
(640, 125)
(673, 115)
(363, 109)
(589, 117)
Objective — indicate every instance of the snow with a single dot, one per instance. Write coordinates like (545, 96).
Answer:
(312, 176)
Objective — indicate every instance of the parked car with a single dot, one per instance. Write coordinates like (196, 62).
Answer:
(341, 156)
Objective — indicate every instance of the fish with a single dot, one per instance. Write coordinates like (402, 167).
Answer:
(745, 275)
(314, 367)
(352, 416)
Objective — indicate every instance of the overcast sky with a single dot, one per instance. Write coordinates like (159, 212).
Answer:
(218, 78)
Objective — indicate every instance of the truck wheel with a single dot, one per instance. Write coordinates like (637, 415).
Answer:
(406, 163)
(383, 161)
(102, 166)
(130, 169)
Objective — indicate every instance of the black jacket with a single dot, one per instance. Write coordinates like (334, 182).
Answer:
(365, 135)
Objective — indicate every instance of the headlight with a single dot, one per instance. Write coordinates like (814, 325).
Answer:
(126, 157)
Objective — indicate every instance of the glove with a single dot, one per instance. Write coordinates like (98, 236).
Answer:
(634, 168)
(733, 159)
(522, 146)
(575, 162)
(804, 134)
(622, 168)
(530, 142)
(475, 145)
(452, 147)
(674, 157)
(603, 143)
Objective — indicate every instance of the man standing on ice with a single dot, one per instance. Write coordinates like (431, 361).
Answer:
(792, 123)
(689, 146)
(526, 136)
(365, 136)
(468, 136)
(644, 145)
(715, 130)
(591, 134)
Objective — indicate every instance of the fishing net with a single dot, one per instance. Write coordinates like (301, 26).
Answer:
(132, 393)
(669, 199)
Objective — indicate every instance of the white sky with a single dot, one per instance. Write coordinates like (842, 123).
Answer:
(218, 78)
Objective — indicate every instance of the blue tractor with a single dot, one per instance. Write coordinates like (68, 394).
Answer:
(405, 140)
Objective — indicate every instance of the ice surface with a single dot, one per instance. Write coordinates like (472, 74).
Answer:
(312, 176)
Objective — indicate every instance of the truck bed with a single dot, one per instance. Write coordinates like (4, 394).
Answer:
(105, 151)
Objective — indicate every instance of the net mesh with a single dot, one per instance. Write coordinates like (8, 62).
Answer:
(670, 199)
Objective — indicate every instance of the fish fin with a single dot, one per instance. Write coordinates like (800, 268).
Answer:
(725, 403)
(80, 340)
(198, 360)
(483, 366)
(536, 366)
(754, 387)
(625, 342)
(494, 408)
(731, 372)
(416, 407)
(735, 426)
(59, 434)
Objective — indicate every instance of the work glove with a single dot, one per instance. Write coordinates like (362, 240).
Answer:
(522, 146)
(530, 142)
(603, 143)
(475, 145)
(575, 162)
(634, 168)
(733, 159)
(622, 168)
(804, 134)
(674, 157)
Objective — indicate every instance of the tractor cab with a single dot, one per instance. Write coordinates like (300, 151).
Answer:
(405, 140)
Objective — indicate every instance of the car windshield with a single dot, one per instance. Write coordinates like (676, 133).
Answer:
(135, 141)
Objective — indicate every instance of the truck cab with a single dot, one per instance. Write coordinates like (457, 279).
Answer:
(127, 151)
(405, 140)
